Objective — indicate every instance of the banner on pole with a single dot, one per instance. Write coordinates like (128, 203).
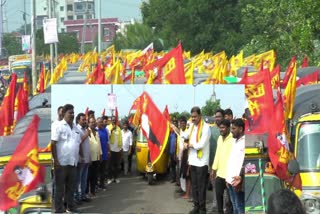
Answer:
(50, 31)
(112, 101)
(26, 44)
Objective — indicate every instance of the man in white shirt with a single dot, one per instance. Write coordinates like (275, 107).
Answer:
(235, 166)
(65, 143)
(126, 145)
(198, 159)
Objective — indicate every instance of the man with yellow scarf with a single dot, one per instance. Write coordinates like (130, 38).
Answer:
(198, 159)
(116, 150)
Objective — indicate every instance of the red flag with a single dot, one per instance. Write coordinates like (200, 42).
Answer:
(166, 113)
(289, 71)
(41, 79)
(169, 69)
(25, 87)
(309, 79)
(95, 74)
(260, 99)
(103, 112)
(23, 171)
(86, 112)
(135, 120)
(7, 108)
(19, 106)
(278, 145)
(155, 127)
(304, 62)
(275, 77)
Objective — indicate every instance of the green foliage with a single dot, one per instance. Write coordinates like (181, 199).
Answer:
(210, 107)
(68, 43)
(289, 27)
(210, 25)
(12, 44)
(178, 115)
(137, 36)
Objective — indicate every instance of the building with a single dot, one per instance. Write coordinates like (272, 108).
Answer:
(65, 10)
(87, 30)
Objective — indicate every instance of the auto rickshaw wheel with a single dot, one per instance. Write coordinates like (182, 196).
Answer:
(150, 178)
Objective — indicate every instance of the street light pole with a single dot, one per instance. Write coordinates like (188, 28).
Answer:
(33, 34)
(51, 45)
(24, 17)
(99, 26)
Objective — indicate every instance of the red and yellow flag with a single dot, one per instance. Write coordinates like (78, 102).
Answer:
(169, 69)
(7, 108)
(290, 93)
(155, 127)
(309, 79)
(23, 171)
(260, 99)
(289, 72)
(278, 145)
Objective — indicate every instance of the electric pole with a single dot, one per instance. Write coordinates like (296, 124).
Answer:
(1, 25)
(99, 26)
(24, 17)
(33, 35)
(51, 45)
(55, 44)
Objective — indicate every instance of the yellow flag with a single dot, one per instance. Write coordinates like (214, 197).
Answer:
(290, 93)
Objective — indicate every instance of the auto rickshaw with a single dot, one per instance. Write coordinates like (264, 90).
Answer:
(144, 166)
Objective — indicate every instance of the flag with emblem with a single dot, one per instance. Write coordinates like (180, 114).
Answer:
(169, 69)
(23, 172)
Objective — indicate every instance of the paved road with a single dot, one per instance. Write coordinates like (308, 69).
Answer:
(134, 195)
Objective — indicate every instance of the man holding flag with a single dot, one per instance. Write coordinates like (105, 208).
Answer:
(198, 159)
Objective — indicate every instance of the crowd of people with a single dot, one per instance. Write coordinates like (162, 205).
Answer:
(202, 156)
(86, 156)
(209, 156)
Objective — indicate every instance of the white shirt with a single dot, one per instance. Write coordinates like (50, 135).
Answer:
(126, 140)
(236, 159)
(183, 135)
(68, 143)
(202, 144)
(85, 145)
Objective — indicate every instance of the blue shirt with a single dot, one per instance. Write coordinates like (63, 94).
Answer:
(103, 134)
(172, 141)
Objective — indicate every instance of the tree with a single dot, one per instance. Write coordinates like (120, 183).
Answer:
(210, 107)
(210, 25)
(12, 44)
(137, 36)
(68, 43)
(289, 27)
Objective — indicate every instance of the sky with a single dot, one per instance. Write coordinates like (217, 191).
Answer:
(125, 10)
(179, 98)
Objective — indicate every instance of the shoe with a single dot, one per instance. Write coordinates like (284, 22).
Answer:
(78, 202)
(179, 190)
(86, 199)
(109, 181)
(72, 210)
(117, 181)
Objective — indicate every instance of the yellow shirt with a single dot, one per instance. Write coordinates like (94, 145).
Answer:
(95, 147)
(222, 155)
